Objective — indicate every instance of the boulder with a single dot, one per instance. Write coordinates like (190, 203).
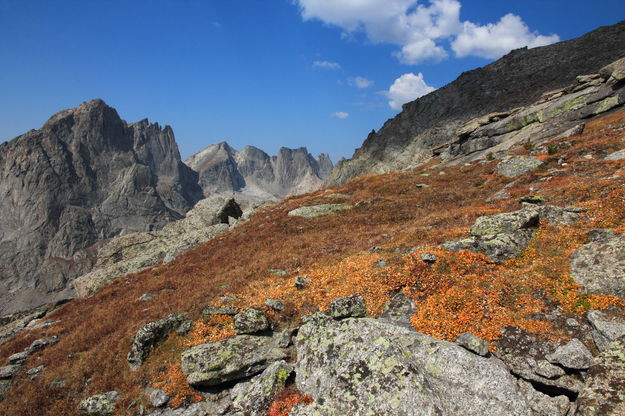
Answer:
(472, 343)
(100, 404)
(254, 397)
(618, 155)
(317, 210)
(557, 215)
(573, 355)
(517, 165)
(371, 367)
(603, 393)
(353, 306)
(399, 310)
(9, 371)
(157, 397)
(605, 329)
(599, 266)
(545, 369)
(615, 70)
(301, 282)
(150, 335)
(230, 359)
(275, 304)
(506, 222)
(542, 404)
(250, 321)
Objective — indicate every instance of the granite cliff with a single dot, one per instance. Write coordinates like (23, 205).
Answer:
(252, 175)
(86, 175)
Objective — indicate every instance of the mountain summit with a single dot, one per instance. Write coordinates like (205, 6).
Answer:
(253, 175)
(84, 176)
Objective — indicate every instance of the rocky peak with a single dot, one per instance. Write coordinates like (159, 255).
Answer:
(85, 175)
(254, 175)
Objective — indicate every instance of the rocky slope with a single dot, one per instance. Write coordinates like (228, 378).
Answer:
(253, 175)
(518, 79)
(85, 175)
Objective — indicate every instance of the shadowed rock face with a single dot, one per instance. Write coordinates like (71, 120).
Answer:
(517, 79)
(85, 175)
(254, 175)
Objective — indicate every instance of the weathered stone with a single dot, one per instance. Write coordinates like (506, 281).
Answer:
(9, 371)
(216, 407)
(604, 389)
(542, 404)
(283, 338)
(428, 258)
(498, 248)
(618, 155)
(605, 329)
(146, 296)
(545, 369)
(150, 335)
(250, 321)
(615, 70)
(42, 343)
(517, 165)
(157, 397)
(4, 386)
(505, 222)
(19, 357)
(317, 210)
(599, 266)
(473, 343)
(556, 215)
(100, 404)
(184, 328)
(366, 366)
(276, 304)
(573, 355)
(532, 199)
(399, 310)
(301, 282)
(353, 306)
(220, 310)
(35, 370)
(230, 359)
(254, 397)
(600, 234)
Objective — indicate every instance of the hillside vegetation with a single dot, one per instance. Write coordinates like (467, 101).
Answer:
(372, 246)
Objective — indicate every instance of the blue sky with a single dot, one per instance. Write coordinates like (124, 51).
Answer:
(269, 73)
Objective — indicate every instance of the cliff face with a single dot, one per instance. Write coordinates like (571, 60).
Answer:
(253, 175)
(85, 175)
(516, 79)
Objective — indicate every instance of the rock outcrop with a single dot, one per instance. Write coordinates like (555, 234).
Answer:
(252, 175)
(445, 121)
(599, 266)
(86, 175)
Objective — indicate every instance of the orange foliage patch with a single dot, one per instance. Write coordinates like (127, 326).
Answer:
(214, 329)
(173, 382)
(286, 401)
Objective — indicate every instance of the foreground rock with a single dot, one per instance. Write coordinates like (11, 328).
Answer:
(604, 391)
(317, 210)
(254, 397)
(100, 404)
(499, 236)
(599, 266)
(86, 175)
(605, 328)
(517, 165)
(149, 336)
(365, 366)
(250, 321)
(138, 251)
(234, 358)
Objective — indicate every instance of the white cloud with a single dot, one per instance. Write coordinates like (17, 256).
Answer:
(360, 82)
(495, 40)
(407, 88)
(340, 114)
(422, 29)
(326, 65)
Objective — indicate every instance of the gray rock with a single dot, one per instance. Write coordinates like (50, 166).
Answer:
(603, 393)
(506, 222)
(220, 310)
(605, 329)
(366, 366)
(399, 310)
(150, 335)
(157, 397)
(351, 306)
(473, 343)
(41, 343)
(574, 355)
(9, 371)
(614, 70)
(599, 266)
(252, 175)
(4, 386)
(230, 359)
(146, 296)
(86, 175)
(600, 234)
(428, 258)
(35, 370)
(545, 369)
(317, 210)
(517, 165)
(618, 155)
(254, 397)
(542, 404)
(250, 321)
(301, 282)
(276, 304)
(184, 328)
(100, 404)
(557, 215)
(283, 338)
